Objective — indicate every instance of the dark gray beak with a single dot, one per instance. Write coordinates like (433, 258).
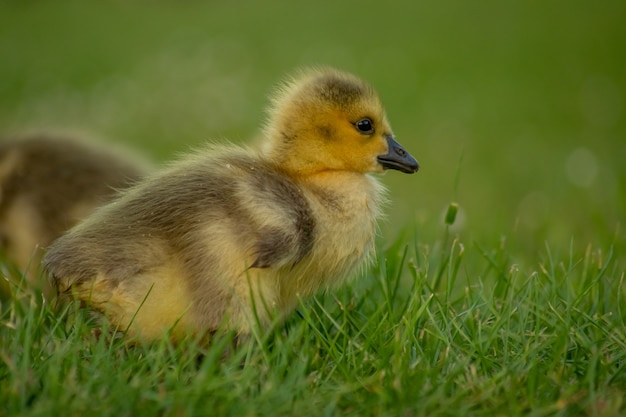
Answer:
(398, 158)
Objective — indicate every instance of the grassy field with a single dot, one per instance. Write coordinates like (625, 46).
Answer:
(515, 111)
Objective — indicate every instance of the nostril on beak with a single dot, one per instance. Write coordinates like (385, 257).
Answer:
(400, 151)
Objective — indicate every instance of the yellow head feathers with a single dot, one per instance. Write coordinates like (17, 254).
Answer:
(328, 120)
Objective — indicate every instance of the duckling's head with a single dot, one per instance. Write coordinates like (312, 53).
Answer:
(327, 120)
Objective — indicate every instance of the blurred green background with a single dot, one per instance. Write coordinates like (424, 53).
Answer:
(525, 101)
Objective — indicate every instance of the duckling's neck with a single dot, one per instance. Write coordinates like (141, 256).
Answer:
(297, 163)
(346, 191)
(333, 178)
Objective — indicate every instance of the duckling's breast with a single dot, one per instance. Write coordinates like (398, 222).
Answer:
(346, 207)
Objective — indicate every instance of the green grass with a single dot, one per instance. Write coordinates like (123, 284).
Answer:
(514, 110)
(454, 329)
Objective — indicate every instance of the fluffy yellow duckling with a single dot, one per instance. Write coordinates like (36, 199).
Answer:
(233, 235)
(47, 183)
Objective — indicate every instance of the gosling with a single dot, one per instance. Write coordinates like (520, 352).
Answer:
(234, 236)
(48, 182)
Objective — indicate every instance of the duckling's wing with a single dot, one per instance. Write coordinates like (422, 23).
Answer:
(278, 214)
(276, 247)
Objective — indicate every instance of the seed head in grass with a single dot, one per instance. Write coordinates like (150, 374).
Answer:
(453, 209)
(453, 218)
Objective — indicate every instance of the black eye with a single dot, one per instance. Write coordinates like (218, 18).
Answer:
(365, 126)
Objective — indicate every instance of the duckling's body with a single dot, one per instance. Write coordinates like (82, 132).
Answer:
(233, 235)
(49, 182)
